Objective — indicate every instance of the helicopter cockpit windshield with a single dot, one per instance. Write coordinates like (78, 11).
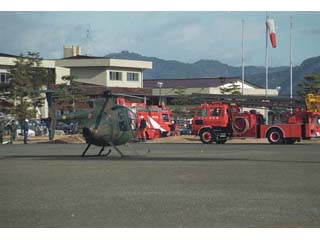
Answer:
(133, 119)
(127, 118)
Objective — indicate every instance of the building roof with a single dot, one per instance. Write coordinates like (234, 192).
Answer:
(192, 82)
(93, 89)
(91, 61)
(85, 57)
(8, 55)
(9, 60)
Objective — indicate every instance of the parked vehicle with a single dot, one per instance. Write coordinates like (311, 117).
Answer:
(67, 128)
(218, 122)
(184, 127)
(158, 118)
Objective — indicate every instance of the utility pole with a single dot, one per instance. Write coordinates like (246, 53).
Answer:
(267, 57)
(291, 92)
(160, 84)
(266, 60)
(242, 60)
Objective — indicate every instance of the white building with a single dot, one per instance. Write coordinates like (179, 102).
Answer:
(107, 72)
(203, 86)
(103, 71)
(7, 62)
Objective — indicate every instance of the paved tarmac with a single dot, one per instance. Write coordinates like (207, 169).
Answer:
(173, 185)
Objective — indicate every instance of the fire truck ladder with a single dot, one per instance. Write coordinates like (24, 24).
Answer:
(252, 101)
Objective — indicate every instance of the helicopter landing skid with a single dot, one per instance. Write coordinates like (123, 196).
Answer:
(84, 152)
(99, 154)
(117, 149)
(102, 149)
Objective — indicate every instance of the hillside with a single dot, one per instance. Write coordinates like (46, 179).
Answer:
(278, 76)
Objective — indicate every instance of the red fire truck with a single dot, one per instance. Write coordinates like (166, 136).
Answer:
(218, 122)
(158, 118)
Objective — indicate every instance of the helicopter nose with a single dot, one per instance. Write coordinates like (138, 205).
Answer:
(89, 131)
(86, 131)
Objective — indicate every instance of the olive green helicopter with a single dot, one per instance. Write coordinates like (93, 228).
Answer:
(106, 124)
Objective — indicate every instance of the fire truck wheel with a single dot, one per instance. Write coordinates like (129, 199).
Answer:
(221, 141)
(275, 136)
(206, 136)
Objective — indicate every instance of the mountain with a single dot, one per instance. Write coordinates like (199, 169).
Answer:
(168, 69)
(278, 76)
(281, 76)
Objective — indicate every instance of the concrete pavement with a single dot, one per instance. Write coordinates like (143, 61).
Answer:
(174, 185)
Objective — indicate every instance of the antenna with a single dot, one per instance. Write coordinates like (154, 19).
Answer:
(88, 42)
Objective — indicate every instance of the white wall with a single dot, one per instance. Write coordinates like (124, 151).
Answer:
(124, 82)
(92, 75)
(238, 83)
(101, 76)
(211, 90)
(60, 72)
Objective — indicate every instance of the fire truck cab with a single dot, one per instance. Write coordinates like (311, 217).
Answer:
(217, 121)
(212, 122)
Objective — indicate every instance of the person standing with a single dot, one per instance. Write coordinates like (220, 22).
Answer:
(13, 131)
(49, 128)
(172, 127)
(25, 131)
(142, 128)
(1, 134)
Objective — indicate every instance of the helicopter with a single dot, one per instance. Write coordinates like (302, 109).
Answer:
(105, 124)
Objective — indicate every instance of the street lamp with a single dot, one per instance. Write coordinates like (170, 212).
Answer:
(160, 84)
(278, 89)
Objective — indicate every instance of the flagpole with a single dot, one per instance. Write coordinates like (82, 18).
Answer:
(291, 57)
(266, 61)
(242, 58)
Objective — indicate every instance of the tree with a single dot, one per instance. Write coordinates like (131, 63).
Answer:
(26, 79)
(310, 85)
(181, 98)
(70, 92)
(233, 89)
(181, 102)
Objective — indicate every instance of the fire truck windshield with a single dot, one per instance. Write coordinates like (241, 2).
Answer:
(316, 119)
(202, 112)
(215, 111)
(165, 117)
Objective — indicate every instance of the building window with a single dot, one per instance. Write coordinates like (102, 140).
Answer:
(132, 76)
(4, 78)
(116, 76)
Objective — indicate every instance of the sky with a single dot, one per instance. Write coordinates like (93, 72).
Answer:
(182, 36)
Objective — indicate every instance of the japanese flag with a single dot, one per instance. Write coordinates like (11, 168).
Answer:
(272, 31)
